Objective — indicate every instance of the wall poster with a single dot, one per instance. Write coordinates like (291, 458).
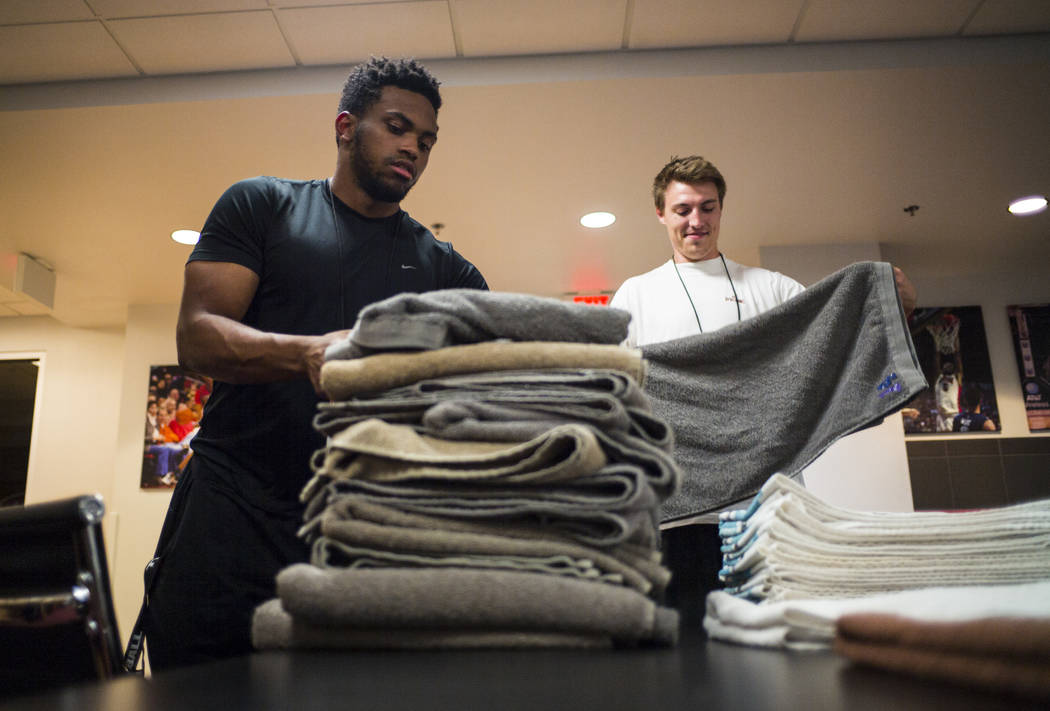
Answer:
(1030, 326)
(173, 408)
(953, 352)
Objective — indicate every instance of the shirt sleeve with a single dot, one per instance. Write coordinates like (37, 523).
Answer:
(236, 228)
(621, 300)
(463, 274)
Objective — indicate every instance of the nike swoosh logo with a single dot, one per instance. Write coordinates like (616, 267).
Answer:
(407, 266)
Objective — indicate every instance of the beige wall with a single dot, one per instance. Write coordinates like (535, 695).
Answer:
(78, 394)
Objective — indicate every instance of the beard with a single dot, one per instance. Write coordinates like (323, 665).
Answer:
(366, 172)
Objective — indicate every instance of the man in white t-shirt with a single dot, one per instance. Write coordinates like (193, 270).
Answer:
(698, 289)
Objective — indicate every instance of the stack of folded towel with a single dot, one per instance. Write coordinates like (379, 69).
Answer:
(955, 596)
(492, 477)
(790, 545)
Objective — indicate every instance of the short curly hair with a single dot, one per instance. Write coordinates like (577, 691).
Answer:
(689, 170)
(365, 83)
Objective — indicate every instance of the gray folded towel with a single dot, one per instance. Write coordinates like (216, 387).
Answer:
(338, 554)
(589, 525)
(772, 393)
(472, 599)
(273, 628)
(345, 516)
(344, 522)
(451, 317)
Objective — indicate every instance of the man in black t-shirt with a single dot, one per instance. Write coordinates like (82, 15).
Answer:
(280, 273)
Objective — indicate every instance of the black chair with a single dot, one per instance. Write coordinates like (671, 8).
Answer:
(57, 623)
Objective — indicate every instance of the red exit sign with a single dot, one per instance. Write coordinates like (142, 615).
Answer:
(593, 299)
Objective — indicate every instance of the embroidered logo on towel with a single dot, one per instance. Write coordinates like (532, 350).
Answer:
(888, 385)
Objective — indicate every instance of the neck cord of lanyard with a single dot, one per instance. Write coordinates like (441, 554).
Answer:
(688, 296)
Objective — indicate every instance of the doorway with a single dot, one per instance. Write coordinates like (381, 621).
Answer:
(18, 386)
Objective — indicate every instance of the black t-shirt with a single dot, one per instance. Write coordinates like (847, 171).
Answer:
(319, 263)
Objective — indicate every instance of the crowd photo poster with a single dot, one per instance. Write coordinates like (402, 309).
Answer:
(953, 352)
(1030, 325)
(174, 405)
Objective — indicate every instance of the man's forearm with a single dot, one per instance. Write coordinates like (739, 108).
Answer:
(229, 351)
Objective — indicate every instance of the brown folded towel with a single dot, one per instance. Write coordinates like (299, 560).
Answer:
(343, 379)
(1005, 654)
(273, 628)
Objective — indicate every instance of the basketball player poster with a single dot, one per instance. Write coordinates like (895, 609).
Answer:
(953, 352)
(1030, 326)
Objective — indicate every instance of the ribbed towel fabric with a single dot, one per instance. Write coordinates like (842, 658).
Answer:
(791, 545)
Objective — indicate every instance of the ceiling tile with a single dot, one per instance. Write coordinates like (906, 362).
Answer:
(14, 12)
(345, 34)
(204, 43)
(704, 23)
(1007, 16)
(315, 3)
(537, 26)
(836, 20)
(60, 51)
(151, 8)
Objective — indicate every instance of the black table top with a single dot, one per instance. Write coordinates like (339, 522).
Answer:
(699, 674)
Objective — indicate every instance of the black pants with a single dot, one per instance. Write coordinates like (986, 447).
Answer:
(693, 554)
(218, 556)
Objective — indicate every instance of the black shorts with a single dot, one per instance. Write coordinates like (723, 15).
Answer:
(218, 557)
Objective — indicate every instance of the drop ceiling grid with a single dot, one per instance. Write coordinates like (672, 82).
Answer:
(516, 27)
(1010, 16)
(25, 11)
(693, 23)
(204, 43)
(66, 50)
(835, 20)
(351, 33)
(114, 9)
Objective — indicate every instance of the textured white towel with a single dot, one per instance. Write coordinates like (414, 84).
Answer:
(810, 623)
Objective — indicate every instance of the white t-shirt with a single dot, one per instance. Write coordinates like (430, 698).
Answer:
(660, 309)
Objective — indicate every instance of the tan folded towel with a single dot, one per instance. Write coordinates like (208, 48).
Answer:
(1004, 654)
(273, 628)
(379, 451)
(343, 379)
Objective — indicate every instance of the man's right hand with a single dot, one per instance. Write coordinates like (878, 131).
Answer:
(212, 340)
(314, 356)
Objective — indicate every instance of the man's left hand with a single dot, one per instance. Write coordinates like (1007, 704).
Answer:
(906, 290)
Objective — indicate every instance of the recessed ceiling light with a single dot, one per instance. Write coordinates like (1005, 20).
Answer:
(1028, 205)
(186, 236)
(597, 219)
